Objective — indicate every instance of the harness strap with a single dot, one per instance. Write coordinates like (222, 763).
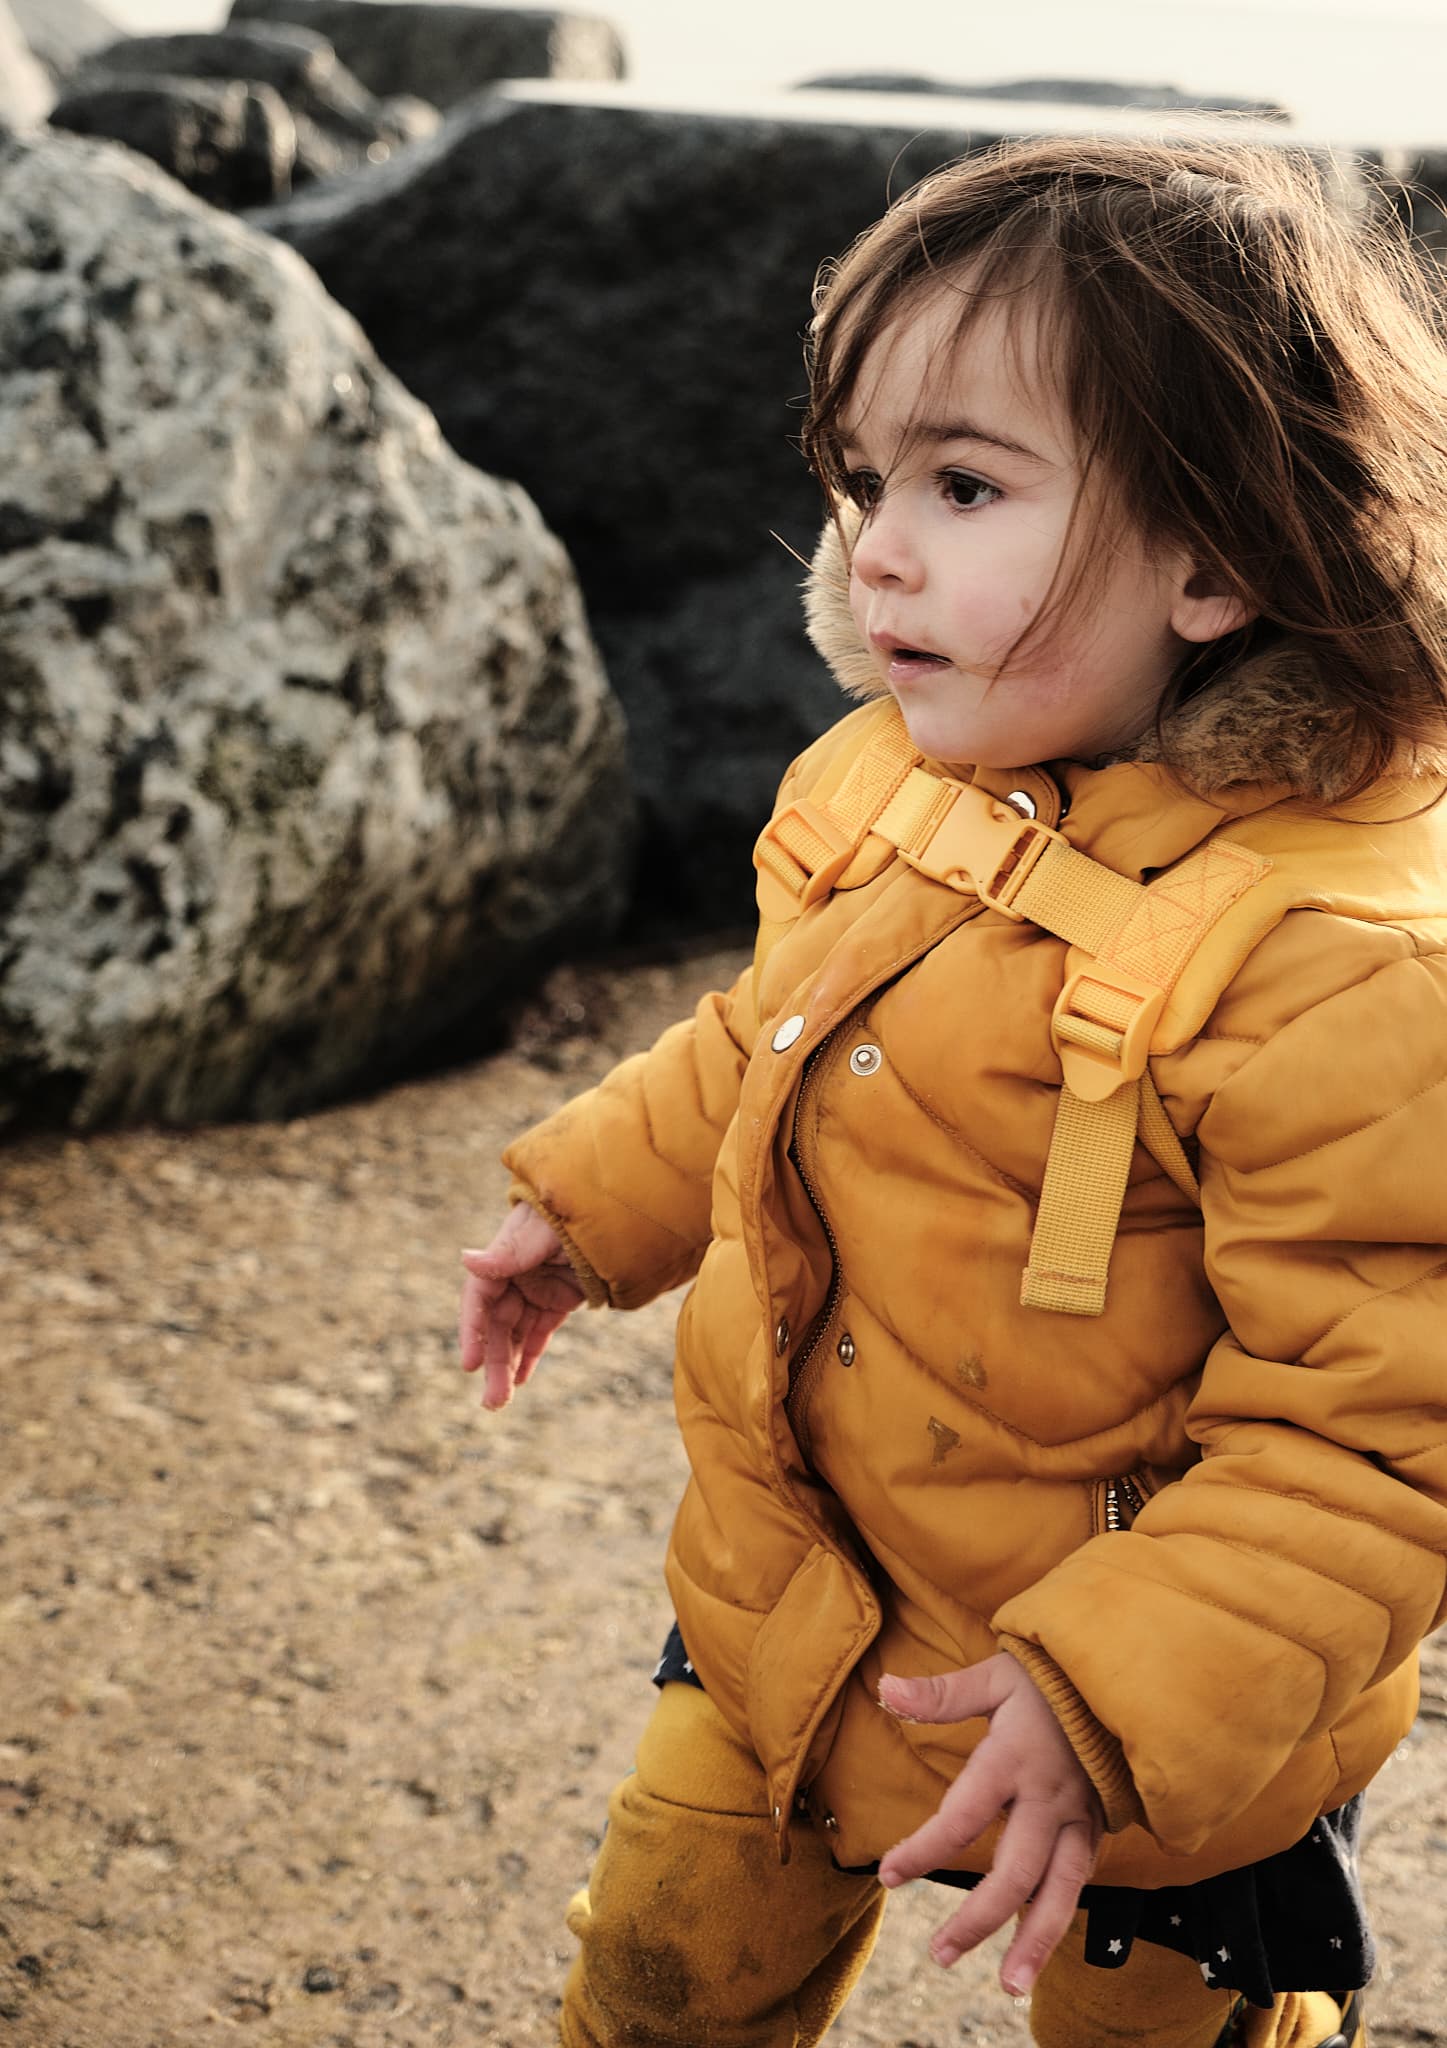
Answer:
(1136, 938)
(1159, 1136)
(1080, 1202)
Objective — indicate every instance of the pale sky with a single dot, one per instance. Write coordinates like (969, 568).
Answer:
(1359, 72)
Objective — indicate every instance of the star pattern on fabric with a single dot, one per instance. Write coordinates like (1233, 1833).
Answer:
(1224, 1954)
(1115, 1947)
(1175, 1919)
(1207, 1972)
(1336, 1941)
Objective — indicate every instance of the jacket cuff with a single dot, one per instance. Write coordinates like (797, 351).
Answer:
(595, 1288)
(1099, 1753)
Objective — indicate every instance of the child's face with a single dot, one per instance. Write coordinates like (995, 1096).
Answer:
(980, 469)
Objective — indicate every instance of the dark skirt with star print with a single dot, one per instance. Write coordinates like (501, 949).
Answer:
(1293, 1922)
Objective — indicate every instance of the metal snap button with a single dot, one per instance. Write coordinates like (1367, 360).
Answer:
(788, 1033)
(778, 1816)
(866, 1059)
(1023, 802)
(781, 1336)
(845, 1348)
(831, 1823)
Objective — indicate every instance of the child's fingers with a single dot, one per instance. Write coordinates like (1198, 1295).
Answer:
(534, 1330)
(535, 1333)
(1020, 1861)
(948, 1696)
(500, 1348)
(1054, 1906)
(472, 1322)
(523, 1241)
(971, 1803)
(486, 1305)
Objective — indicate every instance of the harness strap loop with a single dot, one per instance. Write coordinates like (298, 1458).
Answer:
(1080, 1202)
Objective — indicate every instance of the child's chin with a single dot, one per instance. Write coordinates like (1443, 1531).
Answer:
(953, 741)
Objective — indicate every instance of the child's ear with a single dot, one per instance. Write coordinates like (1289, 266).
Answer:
(1206, 607)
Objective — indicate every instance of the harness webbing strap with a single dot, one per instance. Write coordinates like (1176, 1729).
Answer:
(1158, 1135)
(1138, 939)
(1078, 899)
(1080, 1202)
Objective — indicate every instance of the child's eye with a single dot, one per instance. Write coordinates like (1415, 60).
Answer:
(968, 492)
(861, 487)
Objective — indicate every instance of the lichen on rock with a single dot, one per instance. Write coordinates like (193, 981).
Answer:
(305, 751)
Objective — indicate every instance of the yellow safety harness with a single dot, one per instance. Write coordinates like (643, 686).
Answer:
(1133, 940)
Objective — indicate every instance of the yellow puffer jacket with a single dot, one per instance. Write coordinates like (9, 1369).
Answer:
(1212, 1522)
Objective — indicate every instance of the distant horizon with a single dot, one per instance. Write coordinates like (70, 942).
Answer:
(1351, 73)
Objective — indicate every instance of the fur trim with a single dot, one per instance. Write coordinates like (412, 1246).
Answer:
(1269, 720)
(830, 623)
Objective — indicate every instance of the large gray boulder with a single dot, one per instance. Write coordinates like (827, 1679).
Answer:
(25, 91)
(606, 300)
(61, 32)
(339, 124)
(230, 142)
(445, 53)
(305, 753)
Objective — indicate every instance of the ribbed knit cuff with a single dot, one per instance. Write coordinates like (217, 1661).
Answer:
(1098, 1751)
(595, 1288)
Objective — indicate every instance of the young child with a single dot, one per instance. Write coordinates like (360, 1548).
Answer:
(1062, 1186)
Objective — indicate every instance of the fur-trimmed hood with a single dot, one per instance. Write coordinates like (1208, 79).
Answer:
(1269, 720)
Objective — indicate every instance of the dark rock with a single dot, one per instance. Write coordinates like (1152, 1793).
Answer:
(320, 1977)
(233, 144)
(339, 124)
(306, 758)
(444, 53)
(1090, 92)
(606, 300)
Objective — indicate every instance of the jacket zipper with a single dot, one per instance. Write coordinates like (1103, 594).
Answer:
(805, 1365)
(1121, 1500)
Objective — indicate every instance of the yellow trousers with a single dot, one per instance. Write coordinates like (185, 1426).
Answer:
(693, 1935)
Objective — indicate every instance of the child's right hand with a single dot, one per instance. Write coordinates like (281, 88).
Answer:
(517, 1291)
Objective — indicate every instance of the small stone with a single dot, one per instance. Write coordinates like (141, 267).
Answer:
(320, 1977)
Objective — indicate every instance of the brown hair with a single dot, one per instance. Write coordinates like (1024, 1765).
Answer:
(1254, 368)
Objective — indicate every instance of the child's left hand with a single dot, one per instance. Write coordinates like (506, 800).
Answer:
(1025, 1767)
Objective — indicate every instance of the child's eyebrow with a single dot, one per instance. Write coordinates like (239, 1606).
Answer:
(966, 430)
(936, 431)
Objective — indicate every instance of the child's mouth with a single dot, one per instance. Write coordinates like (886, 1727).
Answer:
(913, 661)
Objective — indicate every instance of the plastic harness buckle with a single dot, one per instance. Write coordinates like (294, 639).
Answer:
(802, 852)
(1101, 1028)
(984, 845)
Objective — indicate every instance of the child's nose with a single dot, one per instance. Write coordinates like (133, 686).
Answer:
(885, 552)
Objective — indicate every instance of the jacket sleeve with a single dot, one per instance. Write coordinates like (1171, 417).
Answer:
(624, 1173)
(1305, 1556)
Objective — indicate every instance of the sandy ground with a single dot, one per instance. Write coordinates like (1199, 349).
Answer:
(313, 1679)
